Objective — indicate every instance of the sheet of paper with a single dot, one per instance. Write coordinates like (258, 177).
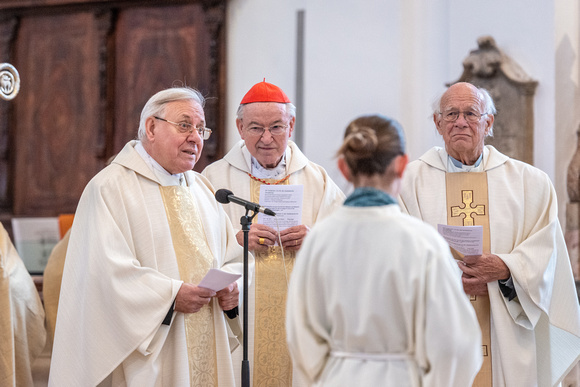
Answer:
(285, 201)
(216, 279)
(34, 239)
(467, 240)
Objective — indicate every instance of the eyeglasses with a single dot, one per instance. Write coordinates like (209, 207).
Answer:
(186, 127)
(259, 131)
(470, 116)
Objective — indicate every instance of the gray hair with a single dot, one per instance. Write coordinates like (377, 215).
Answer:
(158, 102)
(488, 104)
(290, 109)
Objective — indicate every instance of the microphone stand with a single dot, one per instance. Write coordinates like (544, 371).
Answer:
(246, 222)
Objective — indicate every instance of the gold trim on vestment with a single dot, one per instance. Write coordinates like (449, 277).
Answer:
(194, 259)
(272, 363)
(467, 205)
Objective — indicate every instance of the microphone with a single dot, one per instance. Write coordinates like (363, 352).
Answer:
(225, 196)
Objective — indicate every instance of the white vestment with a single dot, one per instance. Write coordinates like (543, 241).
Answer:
(22, 330)
(536, 336)
(376, 300)
(121, 278)
(320, 197)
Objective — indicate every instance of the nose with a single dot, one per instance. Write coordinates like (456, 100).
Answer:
(266, 136)
(194, 136)
(461, 121)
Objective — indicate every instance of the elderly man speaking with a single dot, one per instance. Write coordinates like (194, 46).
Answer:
(132, 311)
(266, 157)
(521, 286)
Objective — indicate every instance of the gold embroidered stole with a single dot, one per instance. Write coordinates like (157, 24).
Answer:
(272, 364)
(467, 205)
(194, 259)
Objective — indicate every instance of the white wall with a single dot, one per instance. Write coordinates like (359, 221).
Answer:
(394, 56)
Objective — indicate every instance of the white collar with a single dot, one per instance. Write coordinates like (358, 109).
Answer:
(269, 173)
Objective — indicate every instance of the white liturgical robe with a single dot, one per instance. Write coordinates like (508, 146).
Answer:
(320, 197)
(121, 277)
(375, 300)
(535, 337)
(21, 318)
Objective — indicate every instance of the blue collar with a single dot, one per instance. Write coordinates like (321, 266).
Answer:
(459, 164)
(368, 197)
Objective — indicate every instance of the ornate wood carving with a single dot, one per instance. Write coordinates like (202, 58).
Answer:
(513, 93)
(155, 48)
(57, 112)
(87, 67)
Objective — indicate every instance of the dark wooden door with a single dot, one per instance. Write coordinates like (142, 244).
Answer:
(87, 68)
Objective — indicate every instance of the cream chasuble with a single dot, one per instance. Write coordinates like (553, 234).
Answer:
(21, 318)
(272, 364)
(536, 336)
(321, 197)
(189, 241)
(467, 205)
(127, 258)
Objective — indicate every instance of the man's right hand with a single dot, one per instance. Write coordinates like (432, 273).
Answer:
(191, 298)
(258, 233)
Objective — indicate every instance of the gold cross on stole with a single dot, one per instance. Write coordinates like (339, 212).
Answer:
(467, 209)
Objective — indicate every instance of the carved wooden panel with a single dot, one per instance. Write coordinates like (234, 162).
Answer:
(57, 112)
(87, 67)
(157, 48)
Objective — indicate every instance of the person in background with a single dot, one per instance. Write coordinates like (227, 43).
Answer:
(146, 231)
(375, 298)
(521, 286)
(265, 156)
(21, 318)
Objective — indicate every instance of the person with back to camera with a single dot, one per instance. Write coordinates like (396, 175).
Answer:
(375, 298)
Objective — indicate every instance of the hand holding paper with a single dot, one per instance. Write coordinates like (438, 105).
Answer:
(463, 240)
(216, 279)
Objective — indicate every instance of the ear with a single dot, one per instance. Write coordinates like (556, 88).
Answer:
(437, 121)
(400, 163)
(344, 169)
(240, 126)
(489, 123)
(292, 122)
(150, 129)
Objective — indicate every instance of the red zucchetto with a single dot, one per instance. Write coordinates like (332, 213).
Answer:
(265, 92)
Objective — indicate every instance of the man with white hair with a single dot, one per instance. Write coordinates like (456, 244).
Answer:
(266, 156)
(146, 231)
(522, 286)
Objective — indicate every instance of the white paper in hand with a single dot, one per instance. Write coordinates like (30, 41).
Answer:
(216, 279)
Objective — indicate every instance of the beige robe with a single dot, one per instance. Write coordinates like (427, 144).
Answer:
(121, 277)
(535, 337)
(21, 318)
(321, 197)
(375, 300)
(52, 278)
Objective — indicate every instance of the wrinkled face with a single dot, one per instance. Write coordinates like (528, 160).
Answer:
(266, 147)
(463, 137)
(175, 151)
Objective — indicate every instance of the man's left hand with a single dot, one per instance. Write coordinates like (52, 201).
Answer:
(229, 296)
(292, 237)
(478, 270)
